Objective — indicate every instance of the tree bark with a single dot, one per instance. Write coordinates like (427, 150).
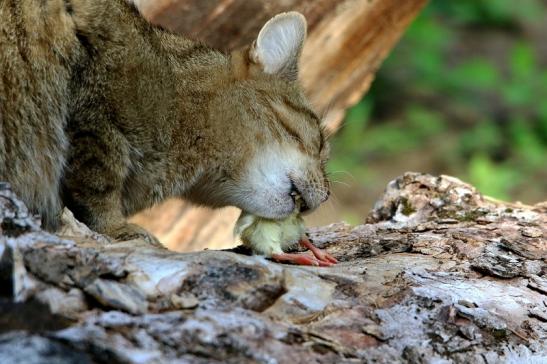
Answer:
(347, 42)
(438, 274)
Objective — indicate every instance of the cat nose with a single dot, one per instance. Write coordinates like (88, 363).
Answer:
(326, 196)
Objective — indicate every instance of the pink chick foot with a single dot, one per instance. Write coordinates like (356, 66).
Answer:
(321, 256)
(296, 258)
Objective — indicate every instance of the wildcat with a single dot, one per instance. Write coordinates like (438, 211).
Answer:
(106, 114)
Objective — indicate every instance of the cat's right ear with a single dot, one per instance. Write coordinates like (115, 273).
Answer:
(277, 48)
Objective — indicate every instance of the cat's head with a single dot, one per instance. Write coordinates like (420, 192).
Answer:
(278, 145)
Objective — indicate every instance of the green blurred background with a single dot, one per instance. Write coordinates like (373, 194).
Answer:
(464, 93)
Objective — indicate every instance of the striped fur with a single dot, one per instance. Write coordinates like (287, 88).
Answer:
(106, 114)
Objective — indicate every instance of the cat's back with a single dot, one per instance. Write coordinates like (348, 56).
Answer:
(37, 45)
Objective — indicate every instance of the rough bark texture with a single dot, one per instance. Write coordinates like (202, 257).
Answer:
(438, 274)
(347, 42)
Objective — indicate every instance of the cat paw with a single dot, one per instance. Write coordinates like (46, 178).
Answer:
(134, 232)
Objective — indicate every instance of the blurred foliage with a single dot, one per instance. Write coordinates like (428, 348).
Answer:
(464, 93)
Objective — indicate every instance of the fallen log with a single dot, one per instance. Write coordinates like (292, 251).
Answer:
(438, 273)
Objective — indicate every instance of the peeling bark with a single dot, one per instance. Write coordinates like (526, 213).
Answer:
(438, 274)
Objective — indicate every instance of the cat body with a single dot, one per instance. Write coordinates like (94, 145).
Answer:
(106, 114)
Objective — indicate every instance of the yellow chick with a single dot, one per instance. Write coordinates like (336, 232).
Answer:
(270, 238)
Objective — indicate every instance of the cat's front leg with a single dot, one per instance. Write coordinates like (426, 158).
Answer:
(93, 184)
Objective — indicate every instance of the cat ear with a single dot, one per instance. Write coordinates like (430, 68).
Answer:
(279, 44)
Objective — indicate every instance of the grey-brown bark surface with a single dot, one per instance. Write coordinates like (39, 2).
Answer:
(438, 274)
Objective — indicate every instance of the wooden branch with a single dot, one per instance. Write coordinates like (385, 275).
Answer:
(347, 42)
(437, 274)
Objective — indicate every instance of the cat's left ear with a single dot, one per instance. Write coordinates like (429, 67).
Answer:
(279, 44)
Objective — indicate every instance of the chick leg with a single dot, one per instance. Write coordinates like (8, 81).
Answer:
(318, 253)
(296, 258)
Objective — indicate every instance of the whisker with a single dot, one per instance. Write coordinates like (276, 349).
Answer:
(345, 184)
(347, 173)
(335, 207)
